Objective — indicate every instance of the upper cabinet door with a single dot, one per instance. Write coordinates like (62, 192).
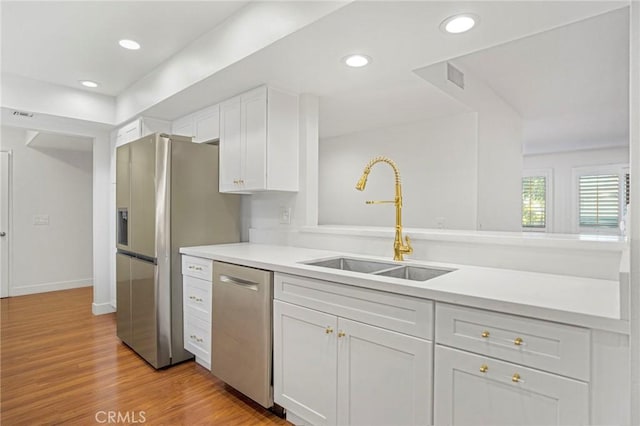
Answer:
(254, 139)
(184, 126)
(142, 213)
(384, 377)
(230, 145)
(207, 124)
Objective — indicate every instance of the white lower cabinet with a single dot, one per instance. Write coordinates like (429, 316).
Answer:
(476, 390)
(197, 285)
(332, 370)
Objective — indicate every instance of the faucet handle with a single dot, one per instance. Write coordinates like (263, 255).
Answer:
(408, 247)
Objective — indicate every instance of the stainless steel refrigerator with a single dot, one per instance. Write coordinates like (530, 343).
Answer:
(166, 198)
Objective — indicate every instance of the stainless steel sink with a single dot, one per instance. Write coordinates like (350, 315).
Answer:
(355, 265)
(414, 273)
(385, 269)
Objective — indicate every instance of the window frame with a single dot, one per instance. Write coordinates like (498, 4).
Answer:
(609, 169)
(548, 202)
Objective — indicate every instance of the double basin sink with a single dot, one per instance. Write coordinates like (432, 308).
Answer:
(385, 269)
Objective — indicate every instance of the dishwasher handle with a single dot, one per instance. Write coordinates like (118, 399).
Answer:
(251, 285)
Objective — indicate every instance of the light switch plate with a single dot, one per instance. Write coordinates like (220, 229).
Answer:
(285, 215)
(41, 219)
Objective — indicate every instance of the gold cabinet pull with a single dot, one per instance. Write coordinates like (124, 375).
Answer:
(518, 341)
(515, 378)
(341, 333)
(328, 330)
(485, 334)
(484, 368)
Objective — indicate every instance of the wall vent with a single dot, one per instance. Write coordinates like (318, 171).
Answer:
(23, 114)
(455, 76)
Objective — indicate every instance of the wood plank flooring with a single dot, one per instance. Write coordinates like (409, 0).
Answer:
(60, 364)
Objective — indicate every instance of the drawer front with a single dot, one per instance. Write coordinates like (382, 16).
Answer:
(548, 346)
(473, 389)
(197, 297)
(395, 312)
(197, 267)
(197, 337)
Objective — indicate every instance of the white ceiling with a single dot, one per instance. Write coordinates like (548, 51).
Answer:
(64, 42)
(570, 85)
(399, 36)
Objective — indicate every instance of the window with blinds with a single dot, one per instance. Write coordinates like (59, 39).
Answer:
(599, 198)
(534, 202)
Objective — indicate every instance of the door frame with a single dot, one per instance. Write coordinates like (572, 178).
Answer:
(5, 226)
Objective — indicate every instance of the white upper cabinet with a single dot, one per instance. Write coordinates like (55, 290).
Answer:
(202, 126)
(141, 126)
(259, 142)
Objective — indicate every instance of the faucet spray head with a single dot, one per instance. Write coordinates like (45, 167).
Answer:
(362, 182)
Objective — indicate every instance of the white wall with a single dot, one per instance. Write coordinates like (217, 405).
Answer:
(437, 159)
(561, 165)
(57, 183)
(500, 136)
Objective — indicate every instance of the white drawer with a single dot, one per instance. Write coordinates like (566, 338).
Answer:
(197, 297)
(197, 267)
(197, 337)
(408, 315)
(548, 346)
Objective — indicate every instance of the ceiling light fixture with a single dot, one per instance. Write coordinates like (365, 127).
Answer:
(460, 23)
(356, 61)
(89, 83)
(129, 44)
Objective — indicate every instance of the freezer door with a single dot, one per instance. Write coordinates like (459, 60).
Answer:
(123, 297)
(144, 325)
(142, 213)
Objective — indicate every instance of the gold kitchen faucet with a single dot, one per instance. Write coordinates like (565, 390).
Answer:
(399, 248)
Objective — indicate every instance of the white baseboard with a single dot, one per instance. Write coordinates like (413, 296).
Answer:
(47, 287)
(102, 308)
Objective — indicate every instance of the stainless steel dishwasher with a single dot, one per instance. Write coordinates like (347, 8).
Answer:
(241, 330)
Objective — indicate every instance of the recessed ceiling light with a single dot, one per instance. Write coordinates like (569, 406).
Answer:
(89, 83)
(129, 44)
(356, 61)
(459, 23)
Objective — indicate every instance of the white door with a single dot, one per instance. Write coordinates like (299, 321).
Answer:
(230, 150)
(254, 139)
(4, 224)
(471, 389)
(304, 362)
(384, 377)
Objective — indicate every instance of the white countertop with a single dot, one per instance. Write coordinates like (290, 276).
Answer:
(580, 301)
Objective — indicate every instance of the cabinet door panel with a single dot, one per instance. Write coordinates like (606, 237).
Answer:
(254, 139)
(230, 141)
(465, 395)
(384, 377)
(207, 124)
(304, 358)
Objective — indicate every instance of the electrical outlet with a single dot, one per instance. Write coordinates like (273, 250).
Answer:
(285, 215)
(440, 222)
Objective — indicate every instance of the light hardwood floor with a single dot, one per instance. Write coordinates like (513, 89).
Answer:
(62, 365)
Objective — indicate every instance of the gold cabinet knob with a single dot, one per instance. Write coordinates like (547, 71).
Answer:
(341, 333)
(484, 368)
(515, 378)
(485, 334)
(236, 181)
(518, 341)
(328, 330)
